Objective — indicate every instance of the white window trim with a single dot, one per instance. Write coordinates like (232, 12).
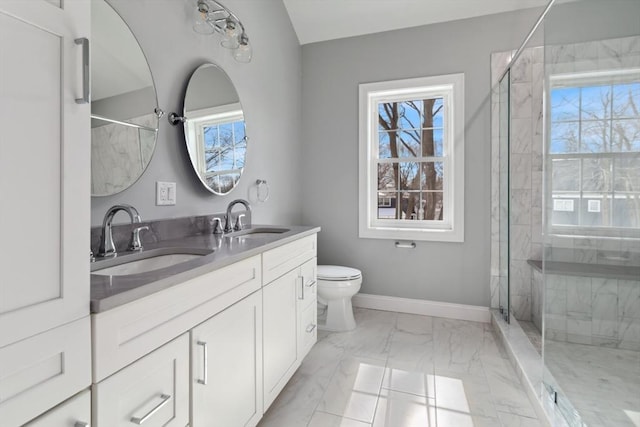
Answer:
(449, 86)
(576, 79)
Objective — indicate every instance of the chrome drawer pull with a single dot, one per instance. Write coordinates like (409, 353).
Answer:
(304, 283)
(81, 424)
(205, 364)
(165, 399)
(311, 327)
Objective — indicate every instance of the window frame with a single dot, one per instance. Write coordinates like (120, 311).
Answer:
(198, 120)
(450, 87)
(582, 80)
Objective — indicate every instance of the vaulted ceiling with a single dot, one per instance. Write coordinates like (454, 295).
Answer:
(320, 20)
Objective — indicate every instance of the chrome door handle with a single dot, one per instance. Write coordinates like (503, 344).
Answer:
(301, 297)
(311, 327)
(86, 71)
(165, 399)
(205, 364)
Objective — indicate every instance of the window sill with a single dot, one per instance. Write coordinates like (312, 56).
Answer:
(432, 235)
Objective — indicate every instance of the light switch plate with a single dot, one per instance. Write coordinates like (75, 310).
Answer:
(165, 193)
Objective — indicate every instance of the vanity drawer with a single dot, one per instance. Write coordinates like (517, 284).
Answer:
(154, 391)
(75, 412)
(41, 371)
(126, 333)
(307, 330)
(308, 288)
(285, 258)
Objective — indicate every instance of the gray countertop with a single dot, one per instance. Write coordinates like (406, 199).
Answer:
(108, 292)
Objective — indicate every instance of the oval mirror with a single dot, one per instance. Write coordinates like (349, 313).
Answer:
(124, 123)
(214, 129)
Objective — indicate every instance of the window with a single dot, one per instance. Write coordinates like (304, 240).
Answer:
(220, 145)
(412, 159)
(594, 151)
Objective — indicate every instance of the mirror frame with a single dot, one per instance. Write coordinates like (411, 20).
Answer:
(185, 120)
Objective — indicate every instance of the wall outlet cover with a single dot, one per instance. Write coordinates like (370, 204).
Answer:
(165, 193)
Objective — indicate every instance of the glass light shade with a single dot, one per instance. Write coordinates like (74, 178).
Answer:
(230, 37)
(201, 23)
(244, 52)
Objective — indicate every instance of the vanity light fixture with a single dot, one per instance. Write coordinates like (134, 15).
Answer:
(213, 17)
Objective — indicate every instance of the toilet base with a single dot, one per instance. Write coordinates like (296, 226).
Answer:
(339, 316)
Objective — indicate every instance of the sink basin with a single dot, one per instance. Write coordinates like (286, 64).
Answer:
(258, 232)
(146, 261)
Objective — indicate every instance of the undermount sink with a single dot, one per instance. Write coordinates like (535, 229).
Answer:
(146, 261)
(258, 232)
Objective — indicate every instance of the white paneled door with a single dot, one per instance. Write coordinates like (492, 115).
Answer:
(44, 167)
(45, 206)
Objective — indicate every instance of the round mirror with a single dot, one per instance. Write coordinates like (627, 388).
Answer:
(124, 123)
(214, 129)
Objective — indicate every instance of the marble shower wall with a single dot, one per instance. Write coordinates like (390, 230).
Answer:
(120, 154)
(527, 75)
(526, 198)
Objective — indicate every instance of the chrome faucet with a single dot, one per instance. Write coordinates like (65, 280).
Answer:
(238, 226)
(107, 248)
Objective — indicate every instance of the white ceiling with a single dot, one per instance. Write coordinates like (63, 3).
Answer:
(320, 20)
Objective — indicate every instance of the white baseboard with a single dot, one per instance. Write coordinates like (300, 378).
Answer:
(473, 313)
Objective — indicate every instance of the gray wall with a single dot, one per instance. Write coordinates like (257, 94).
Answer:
(269, 88)
(588, 20)
(449, 272)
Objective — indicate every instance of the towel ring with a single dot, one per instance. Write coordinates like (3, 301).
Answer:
(262, 196)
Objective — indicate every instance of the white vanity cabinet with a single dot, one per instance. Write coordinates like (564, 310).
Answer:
(45, 218)
(289, 299)
(153, 391)
(240, 338)
(226, 367)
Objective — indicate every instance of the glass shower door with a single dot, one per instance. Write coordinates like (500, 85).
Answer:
(504, 208)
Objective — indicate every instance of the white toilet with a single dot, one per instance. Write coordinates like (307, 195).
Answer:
(336, 286)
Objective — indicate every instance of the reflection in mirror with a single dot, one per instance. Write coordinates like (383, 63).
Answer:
(124, 125)
(214, 129)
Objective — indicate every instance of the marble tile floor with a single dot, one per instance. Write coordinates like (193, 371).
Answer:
(401, 370)
(602, 384)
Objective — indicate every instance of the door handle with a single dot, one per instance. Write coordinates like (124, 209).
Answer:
(205, 363)
(86, 71)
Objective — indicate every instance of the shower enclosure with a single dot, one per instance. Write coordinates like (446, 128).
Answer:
(566, 210)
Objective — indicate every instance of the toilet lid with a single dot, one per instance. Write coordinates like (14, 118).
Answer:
(338, 272)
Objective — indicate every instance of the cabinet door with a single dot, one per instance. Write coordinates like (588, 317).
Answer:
(75, 412)
(279, 323)
(226, 367)
(153, 391)
(44, 167)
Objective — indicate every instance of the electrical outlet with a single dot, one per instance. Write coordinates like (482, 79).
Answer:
(165, 193)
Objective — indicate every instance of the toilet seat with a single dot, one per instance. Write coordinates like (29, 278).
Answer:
(337, 273)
